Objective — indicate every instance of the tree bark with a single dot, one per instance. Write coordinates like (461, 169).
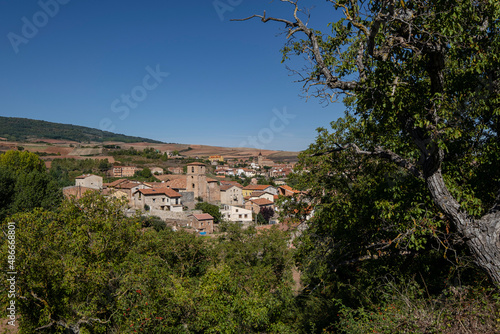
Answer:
(482, 236)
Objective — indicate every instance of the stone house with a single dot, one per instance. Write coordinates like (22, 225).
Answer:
(236, 214)
(123, 171)
(129, 188)
(163, 199)
(175, 170)
(231, 194)
(201, 186)
(248, 190)
(202, 222)
(258, 204)
(89, 181)
(156, 170)
(262, 194)
(285, 190)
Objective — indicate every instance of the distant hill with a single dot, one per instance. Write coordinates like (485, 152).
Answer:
(24, 129)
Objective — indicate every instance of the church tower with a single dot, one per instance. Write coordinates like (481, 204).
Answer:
(196, 181)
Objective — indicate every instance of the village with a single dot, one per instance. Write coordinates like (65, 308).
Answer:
(174, 197)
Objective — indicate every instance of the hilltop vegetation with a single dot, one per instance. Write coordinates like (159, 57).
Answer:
(23, 129)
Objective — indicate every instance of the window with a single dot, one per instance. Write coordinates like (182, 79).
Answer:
(154, 200)
(246, 216)
(239, 216)
(192, 169)
(236, 210)
(193, 185)
(163, 199)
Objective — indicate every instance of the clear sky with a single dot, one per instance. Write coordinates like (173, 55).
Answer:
(175, 71)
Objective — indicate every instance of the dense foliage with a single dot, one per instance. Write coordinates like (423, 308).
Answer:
(148, 153)
(405, 187)
(65, 170)
(87, 268)
(25, 185)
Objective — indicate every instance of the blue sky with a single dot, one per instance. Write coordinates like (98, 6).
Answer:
(175, 71)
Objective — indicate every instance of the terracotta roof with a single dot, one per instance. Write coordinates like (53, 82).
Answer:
(225, 187)
(261, 201)
(233, 183)
(128, 185)
(257, 186)
(258, 193)
(203, 216)
(115, 183)
(156, 184)
(211, 180)
(196, 164)
(160, 191)
(177, 184)
(289, 188)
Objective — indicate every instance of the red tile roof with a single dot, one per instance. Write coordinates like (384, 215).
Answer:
(128, 185)
(258, 193)
(177, 184)
(289, 188)
(115, 183)
(160, 191)
(257, 186)
(225, 187)
(233, 183)
(261, 201)
(196, 164)
(203, 216)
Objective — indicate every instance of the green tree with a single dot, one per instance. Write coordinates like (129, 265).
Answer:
(104, 165)
(70, 263)
(36, 190)
(211, 209)
(25, 184)
(420, 82)
(7, 193)
(21, 161)
(86, 268)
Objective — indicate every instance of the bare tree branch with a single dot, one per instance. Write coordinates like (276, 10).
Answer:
(378, 152)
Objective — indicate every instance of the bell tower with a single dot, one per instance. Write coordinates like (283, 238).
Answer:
(196, 181)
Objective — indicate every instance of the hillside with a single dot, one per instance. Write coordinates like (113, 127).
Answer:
(56, 140)
(24, 129)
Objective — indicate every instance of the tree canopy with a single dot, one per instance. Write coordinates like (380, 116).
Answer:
(420, 81)
(25, 184)
(86, 268)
